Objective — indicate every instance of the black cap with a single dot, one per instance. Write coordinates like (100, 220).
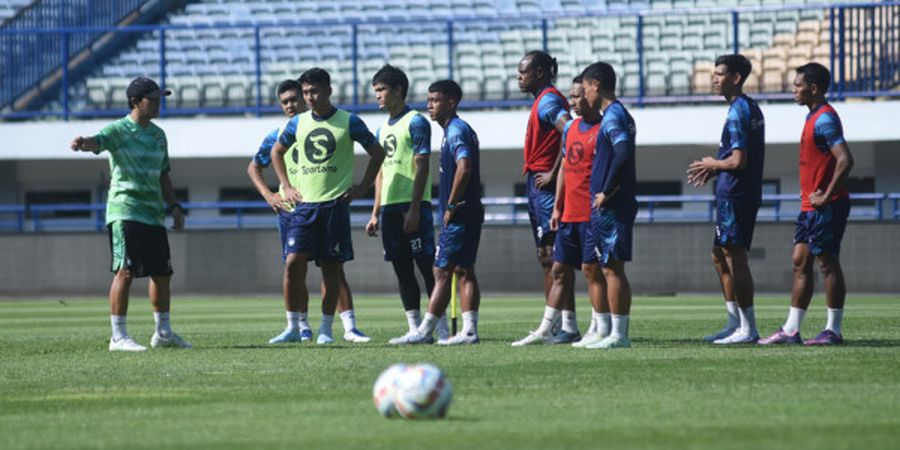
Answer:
(145, 87)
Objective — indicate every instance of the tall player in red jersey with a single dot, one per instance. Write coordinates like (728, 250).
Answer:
(546, 121)
(825, 162)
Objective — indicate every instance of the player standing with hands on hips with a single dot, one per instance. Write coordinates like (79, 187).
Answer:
(139, 190)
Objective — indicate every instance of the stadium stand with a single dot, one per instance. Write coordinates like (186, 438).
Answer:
(211, 62)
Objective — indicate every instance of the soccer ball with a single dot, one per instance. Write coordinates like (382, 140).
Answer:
(385, 389)
(423, 392)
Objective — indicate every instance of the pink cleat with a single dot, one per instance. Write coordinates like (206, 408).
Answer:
(780, 337)
(826, 337)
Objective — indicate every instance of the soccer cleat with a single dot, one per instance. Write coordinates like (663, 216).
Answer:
(125, 344)
(738, 337)
(564, 337)
(724, 333)
(357, 336)
(611, 342)
(826, 337)
(780, 337)
(169, 339)
(533, 337)
(305, 335)
(411, 338)
(587, 339)
(461, 338)
(288, 335)
(324, 339)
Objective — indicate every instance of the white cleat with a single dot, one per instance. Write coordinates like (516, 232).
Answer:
(409, 337)
(533, 337)
(324, 339)
(412, 338)
(461, 338)
(356, 336)
(125, 344)
(611, 342)
(588, 339)
(738, 337)
(724, 333)
(168, 339)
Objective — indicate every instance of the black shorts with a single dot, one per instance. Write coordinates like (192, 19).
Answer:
(140, 248)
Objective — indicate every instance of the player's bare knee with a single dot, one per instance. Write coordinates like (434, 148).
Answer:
(828, 264)
(124, 275)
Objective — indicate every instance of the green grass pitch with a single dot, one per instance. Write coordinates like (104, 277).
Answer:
(61, 388)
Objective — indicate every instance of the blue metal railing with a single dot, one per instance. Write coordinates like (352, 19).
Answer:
(499, 210)
(28, 58)
(864, 54)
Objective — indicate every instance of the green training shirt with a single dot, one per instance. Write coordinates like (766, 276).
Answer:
(398, 171)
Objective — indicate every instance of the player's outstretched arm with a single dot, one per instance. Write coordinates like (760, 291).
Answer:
(85, 144)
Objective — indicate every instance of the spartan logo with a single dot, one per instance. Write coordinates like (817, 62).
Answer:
(319, 146)
(575, 154)
(390, 145)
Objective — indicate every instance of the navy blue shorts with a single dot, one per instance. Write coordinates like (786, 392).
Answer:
(540, 209)
(610, 234)
(570, 246)
(321, 230)
(459, 242)
(399, 245)
(735, 220)
(823, 229)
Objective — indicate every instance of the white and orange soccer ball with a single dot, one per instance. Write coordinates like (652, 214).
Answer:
(423, 392)
(385, 390)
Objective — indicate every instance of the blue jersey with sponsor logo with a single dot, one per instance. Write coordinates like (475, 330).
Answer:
(745, 130)
(460, 141)
(614, 169)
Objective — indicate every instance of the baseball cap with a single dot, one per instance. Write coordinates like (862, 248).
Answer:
(145, 87)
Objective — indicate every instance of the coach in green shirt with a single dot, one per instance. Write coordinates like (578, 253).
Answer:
(139, 190)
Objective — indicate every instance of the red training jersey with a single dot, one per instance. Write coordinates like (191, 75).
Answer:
(816, 165)
(541, 146)
(580, 147)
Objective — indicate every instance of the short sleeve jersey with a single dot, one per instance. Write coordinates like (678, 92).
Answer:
(579, 144)
(320, 150)
(403, 137)
(744, 129)
(822, 131)
(460, 141)
(617, 130)
(263, 157)
(137, 157)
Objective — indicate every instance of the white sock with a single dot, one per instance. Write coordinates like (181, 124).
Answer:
(734, 319)
(118, 327)
(604, 324)
(470, 322)
(794, 319)
(442, 326)
(413, 319)
(569, 323)
(835, 317)
(348, 319)
(293, 320)
(325, 327)
(551, 315)
(619, 325)
(428, 324)
(303, 321)
(748, 320)
(161, 319)
(592, 326)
